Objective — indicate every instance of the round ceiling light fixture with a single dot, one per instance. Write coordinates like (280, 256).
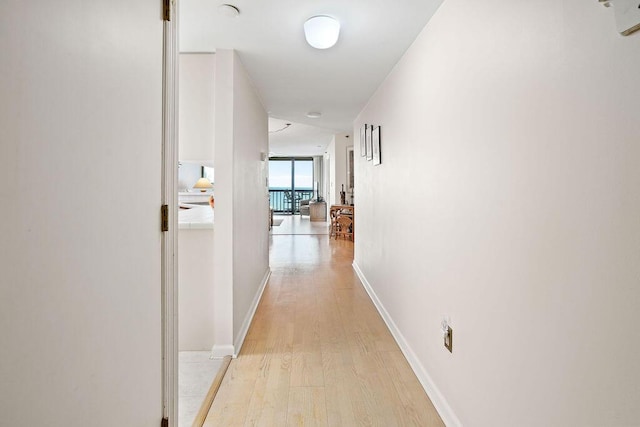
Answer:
(314, 114)
(321, 31)
(229, 10)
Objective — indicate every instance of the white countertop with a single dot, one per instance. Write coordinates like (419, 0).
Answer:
(195, 193)
(196, 217)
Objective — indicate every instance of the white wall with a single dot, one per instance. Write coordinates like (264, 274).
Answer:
(241, 265)
(331, 177)
(188, 175)
(80, 302)
(251, 197)
(196, 112)
(196, 288)
(223, 241)
(318, 175)
(510, 151)
(337, 151)
(326, 178)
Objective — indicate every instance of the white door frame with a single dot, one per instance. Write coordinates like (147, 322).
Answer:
(170, 238)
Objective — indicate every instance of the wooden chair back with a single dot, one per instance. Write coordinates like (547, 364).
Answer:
(344, 227)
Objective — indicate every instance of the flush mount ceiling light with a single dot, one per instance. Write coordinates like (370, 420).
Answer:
(229, 10)
(321, 31)
(314, 114)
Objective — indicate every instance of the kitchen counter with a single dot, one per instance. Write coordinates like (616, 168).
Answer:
(195, 278)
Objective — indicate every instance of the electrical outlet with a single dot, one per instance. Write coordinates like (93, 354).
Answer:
(448, 339)
(447, 333)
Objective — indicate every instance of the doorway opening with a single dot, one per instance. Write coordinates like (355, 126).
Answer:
(290, 182)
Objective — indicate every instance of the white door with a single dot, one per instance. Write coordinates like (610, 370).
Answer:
(80, 242)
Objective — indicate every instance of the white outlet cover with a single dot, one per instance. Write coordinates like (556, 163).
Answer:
(627, 15)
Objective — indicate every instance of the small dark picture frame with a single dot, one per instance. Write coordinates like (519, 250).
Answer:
(363, 140)
(375, 142)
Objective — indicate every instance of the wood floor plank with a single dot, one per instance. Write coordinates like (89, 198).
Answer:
(270, 400)
(307, 407)
(306, 369)
(317, 351)
(418, 409)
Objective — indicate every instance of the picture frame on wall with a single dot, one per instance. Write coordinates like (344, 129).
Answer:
(363, 140)
(375, 145)
(350, 170)
(369, 149)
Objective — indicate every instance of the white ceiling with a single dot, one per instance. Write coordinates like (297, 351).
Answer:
(293, 78)
(297, 139)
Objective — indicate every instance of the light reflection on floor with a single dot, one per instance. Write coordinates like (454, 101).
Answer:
(295, 224)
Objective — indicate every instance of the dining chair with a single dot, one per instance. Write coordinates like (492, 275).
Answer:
(344, 227)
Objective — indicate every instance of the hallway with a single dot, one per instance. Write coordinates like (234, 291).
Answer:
(317, 352)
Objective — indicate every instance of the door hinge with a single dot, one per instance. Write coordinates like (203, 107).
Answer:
(164, 213)
(166, 10)
(165, 422)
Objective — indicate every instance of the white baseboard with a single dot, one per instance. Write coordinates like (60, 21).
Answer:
(220, 351)
(249, 317)
(438, 400)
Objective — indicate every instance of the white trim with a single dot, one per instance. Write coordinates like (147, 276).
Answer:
(438, 400)
(169, 250)
(249, 317)
(221, 351)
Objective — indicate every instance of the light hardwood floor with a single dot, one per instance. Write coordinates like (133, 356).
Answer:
(318, 353)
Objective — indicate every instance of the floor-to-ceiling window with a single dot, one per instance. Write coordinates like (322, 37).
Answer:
(290, 180)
